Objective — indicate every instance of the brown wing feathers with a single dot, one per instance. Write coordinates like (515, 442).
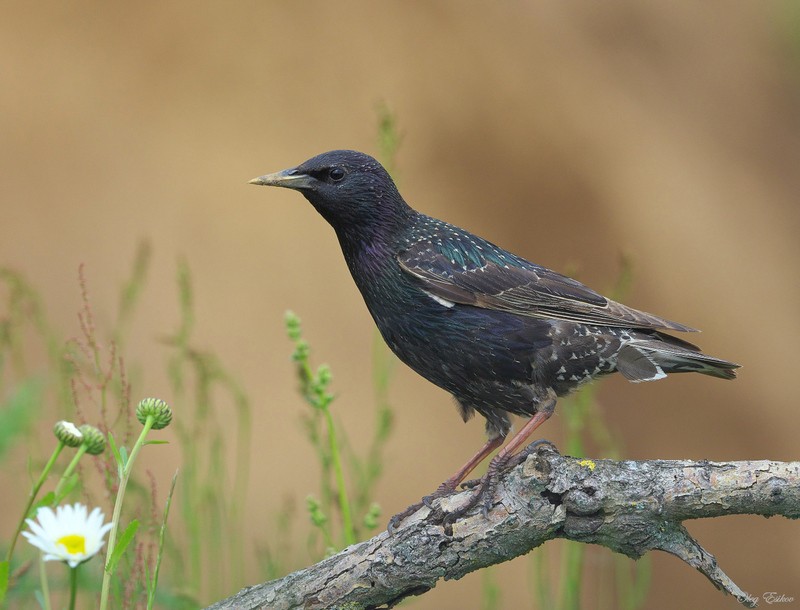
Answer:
(539, 293)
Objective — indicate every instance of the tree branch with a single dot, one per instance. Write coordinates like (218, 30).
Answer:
(629, 507)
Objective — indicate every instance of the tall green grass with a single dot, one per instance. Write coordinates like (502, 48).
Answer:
(208, 545)
(84, 378)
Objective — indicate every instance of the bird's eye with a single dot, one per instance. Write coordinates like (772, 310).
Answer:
(336, 174)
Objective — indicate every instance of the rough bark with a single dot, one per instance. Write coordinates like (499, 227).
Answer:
(629, 507)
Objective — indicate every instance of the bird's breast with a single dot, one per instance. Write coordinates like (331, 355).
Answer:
(450, 343)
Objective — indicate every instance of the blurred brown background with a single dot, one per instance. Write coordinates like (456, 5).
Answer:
(568, 132)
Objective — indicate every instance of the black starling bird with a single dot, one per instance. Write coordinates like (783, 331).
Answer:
(501, 334)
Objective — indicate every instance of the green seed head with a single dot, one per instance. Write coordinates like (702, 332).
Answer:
(372, 516)
(301, 350)
(292, 323)
(324, 375)
(158, 409)
(68, 433)
(93, 439)
(318, 517)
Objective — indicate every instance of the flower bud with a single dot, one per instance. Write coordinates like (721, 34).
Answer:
(318, 518)
(68, 433)
(324, 375)
(93, 439)
(372, 516)
(292, 325)
(301, 350)
(155, 408)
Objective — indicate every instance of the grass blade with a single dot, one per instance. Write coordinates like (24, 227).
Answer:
(153, 584)
(124, 540)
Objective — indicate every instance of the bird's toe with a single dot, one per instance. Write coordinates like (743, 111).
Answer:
(395, 521)
(537, 447)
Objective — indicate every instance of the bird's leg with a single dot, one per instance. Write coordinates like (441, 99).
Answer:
(450, 485)
(486, 487)
(516, 459)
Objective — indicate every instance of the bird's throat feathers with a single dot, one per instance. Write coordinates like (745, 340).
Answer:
(370, 259)
(376, 213)
(368, 230)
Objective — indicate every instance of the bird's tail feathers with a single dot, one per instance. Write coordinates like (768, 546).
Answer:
(650, 359)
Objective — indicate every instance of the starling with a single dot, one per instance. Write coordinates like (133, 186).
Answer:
(501, 334)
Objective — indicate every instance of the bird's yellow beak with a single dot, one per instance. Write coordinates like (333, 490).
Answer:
(288, 178)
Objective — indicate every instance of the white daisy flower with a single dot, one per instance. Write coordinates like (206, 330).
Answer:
(68, 534)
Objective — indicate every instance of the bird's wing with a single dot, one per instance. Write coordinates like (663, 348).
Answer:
(467, 270)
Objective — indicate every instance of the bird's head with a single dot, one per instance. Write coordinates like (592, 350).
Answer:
(351, 190)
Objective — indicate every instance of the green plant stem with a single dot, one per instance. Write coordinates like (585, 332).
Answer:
(70, 469)
(325, 528)
(153, 585)
(123, 483)
(32, 497)
(344, 503)
(73, 586)
(43, 581)
(571, 576)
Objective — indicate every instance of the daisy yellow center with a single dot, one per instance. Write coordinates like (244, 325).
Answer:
(74, 543)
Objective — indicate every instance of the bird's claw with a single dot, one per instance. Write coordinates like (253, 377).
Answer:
(401, 516)
(483, 492)
(483, 496)
(445, 489)
(471, 484)
(485, 487)
(533, 448)
(428, 500)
